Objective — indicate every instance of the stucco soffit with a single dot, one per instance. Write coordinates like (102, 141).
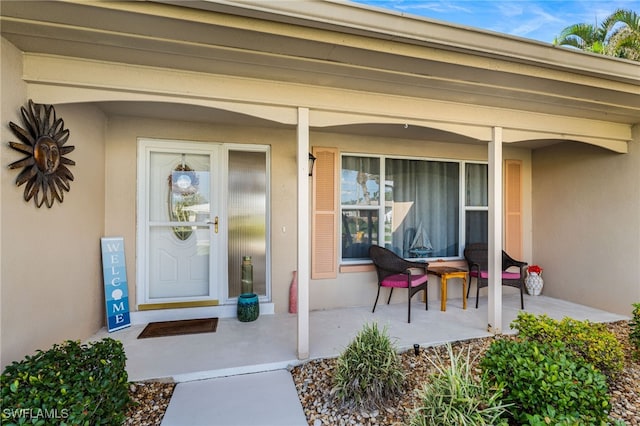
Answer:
(277, 101)
(51, 94)
(55, 80)
(472, 120)
(320, 118)
(480, 133)
(516, 135)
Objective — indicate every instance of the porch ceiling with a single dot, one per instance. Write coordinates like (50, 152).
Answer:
(360, 49)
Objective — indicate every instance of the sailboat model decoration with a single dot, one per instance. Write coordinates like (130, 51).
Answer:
(421, 244)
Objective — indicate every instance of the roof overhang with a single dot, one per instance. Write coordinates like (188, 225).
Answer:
(338, 46)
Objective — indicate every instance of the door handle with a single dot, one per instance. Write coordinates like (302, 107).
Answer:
(214, 223)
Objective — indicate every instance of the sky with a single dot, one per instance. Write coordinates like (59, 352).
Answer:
(540, 20)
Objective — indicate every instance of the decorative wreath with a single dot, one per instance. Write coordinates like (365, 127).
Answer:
(183, 194)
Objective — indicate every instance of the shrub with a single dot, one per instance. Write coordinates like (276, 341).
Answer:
(634, 332)
(369, 370)
(70, 384)
(454, 397)
(542, 376)
(550, 417)
(589, 341)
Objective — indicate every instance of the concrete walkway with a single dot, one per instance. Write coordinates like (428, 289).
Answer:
(264, 399)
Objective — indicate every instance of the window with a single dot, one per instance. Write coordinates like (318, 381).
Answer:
(476, 203)
(247, 216)
(421, 213)
(360, 205)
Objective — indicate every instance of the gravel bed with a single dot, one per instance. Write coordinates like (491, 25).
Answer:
(314, 381)
(150, 401)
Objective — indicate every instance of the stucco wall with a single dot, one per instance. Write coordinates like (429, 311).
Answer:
(51, 269)
(121, 189)
(586, 235)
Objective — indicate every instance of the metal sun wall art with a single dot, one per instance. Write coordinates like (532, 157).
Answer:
(42, 139)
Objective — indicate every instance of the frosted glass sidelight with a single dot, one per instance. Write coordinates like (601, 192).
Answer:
(247, 210)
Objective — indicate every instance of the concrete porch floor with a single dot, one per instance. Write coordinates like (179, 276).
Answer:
(270, 342)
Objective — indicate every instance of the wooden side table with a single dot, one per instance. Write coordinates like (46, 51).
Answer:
(445, 273)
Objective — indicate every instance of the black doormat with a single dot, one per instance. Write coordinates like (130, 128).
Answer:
(177, 328)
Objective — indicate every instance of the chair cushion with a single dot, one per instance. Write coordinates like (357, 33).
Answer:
(400, 280)
(505, 275)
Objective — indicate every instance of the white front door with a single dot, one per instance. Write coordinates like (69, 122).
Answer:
(182, 243)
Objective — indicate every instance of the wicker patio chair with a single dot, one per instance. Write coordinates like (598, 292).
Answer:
(477, 258)
(395, 272)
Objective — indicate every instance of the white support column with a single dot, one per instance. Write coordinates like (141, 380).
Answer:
(303, 233)
(495, 232)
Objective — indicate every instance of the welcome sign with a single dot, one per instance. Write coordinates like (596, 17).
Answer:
(116, 291)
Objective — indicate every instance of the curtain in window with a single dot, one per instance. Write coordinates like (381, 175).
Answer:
(424, 216)
(477, 227)
(477, 182)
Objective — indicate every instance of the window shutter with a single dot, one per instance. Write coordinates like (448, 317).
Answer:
(324, 209)
(513, 208)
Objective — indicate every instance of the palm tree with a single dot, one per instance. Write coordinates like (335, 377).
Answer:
(618, 35)
(625, 39)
